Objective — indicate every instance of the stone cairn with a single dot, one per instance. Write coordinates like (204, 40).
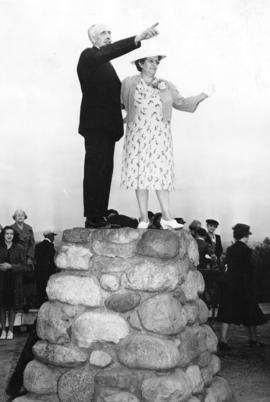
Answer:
(124, 322)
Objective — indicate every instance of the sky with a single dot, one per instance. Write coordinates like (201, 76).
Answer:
(221, 151)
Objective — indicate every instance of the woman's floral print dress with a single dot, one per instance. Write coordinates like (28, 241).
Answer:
(148, 153)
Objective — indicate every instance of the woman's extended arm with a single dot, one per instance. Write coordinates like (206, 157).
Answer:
(188, 104)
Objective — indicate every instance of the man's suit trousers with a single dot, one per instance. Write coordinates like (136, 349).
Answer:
(98, 169)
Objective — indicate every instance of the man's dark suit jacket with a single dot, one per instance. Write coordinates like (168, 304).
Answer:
(44, 256)
(218, 246)
(100, 85)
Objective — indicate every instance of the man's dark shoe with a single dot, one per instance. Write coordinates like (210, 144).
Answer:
(97, 222)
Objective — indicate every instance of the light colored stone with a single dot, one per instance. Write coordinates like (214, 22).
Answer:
(215, 364)
(148, 352)
(151, 275)
(54, 320)
(77, 385)
(110, 265)
(192, 343)
(194, 399)
(211, 369)
(219, 391)
(100, 358)
(41, 379)
(99, 326)
(183, 266)
(67, 355)
(30, 397)
(123, 302)
(162, 314)
(109, 282)
(203, 311)
(193, 373)
(71, 256)
(112, 395)
(192, 311)
(174, 387)
(193, 285)
(74, 290)
(193, 252)
(211, 339)
(204, 359)
(159, 244)
(120, 378)
(115, 242)
(77, 235)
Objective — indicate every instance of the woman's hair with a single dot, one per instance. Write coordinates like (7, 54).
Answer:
(16, 237)
(16, 212)
(138, 64)
(238, 235)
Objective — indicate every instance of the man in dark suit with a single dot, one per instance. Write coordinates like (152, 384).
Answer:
(101, 122)
(214, 239)
(45, 266)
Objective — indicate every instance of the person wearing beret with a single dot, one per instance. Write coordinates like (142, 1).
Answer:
(194, 226)
(238, 303)
(45, 266)
(214, 239)
(101, 122)
(147, 163)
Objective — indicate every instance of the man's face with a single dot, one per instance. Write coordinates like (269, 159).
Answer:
(102, 36)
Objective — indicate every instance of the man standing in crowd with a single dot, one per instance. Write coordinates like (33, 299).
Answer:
(101, 122)
(45, 266)
(214, 239)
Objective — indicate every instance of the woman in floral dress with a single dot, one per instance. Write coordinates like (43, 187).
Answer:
(148, 151)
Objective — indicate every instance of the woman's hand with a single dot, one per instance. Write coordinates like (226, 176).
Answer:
(211, 90)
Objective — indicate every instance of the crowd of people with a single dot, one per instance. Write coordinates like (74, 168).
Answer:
(24, 270)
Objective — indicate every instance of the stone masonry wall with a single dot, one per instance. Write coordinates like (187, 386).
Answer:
(124, 322)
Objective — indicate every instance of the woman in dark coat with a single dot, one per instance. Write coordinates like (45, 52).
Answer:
(238, 303)
(12, 265)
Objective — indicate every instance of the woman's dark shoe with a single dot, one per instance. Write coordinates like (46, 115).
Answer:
(254, 344)
(223, 346)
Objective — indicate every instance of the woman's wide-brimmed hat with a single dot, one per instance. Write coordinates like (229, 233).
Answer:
(151, 50)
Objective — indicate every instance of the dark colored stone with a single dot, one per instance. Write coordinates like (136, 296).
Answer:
(123, 302)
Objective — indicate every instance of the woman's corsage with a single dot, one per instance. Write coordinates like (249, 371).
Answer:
(159, 84)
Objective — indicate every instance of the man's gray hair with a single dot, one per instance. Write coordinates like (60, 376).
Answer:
(94, 30)
(92, 33)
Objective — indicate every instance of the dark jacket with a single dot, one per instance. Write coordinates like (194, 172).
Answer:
(44, 256)
(204, 249)
(238, 302)
(100, 85)
(217, 247)
(18, 261)
(27, 239)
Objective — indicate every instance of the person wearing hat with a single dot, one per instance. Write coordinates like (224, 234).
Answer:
(147, 162)
(238, 303)
(45, 266)
(194, 226)
(101, 122)
(214, 240)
